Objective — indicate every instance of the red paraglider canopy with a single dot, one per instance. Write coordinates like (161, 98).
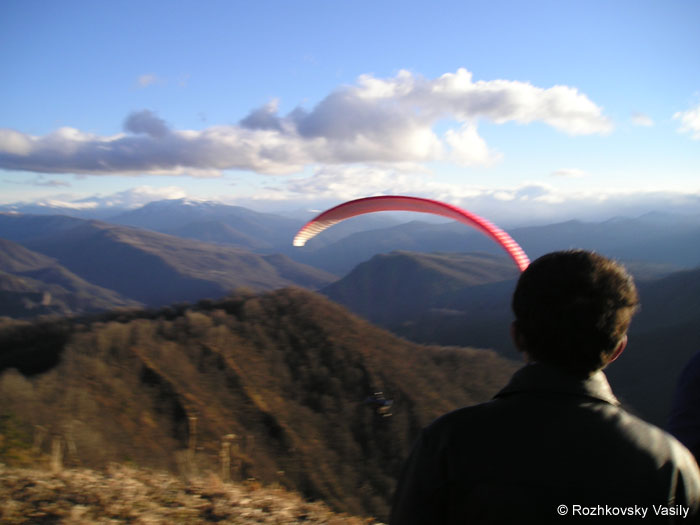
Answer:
(402, 203)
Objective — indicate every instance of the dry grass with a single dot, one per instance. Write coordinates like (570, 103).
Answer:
(128, 495)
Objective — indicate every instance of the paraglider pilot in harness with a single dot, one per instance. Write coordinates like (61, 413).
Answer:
(554, 443)
(380, 403)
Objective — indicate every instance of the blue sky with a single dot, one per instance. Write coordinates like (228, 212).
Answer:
(512, 109)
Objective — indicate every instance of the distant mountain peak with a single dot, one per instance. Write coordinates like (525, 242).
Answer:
(184, 201)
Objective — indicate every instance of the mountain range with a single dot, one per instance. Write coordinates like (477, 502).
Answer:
(211, 222)
(33, 284)
(671, 241)
(149, 267)
(385, 273)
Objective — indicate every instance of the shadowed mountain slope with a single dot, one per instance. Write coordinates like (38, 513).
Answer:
(214, 222)
(394, 288)
(154, 268)
(663, 337)
(32, 284)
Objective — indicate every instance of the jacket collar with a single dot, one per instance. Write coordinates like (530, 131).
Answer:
(544, 378)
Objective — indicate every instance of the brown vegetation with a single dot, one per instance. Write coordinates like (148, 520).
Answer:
(128, 495)
(272, 387)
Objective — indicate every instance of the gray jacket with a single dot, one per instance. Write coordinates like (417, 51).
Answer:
(549, 448)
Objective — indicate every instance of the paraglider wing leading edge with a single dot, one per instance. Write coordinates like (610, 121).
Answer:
(416, 204)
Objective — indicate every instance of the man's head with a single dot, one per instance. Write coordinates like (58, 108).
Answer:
(572, 309)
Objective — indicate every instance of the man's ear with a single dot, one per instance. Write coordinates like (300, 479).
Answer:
(620, 348)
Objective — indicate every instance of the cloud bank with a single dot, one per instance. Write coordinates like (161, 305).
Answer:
(131, 198)
(377, 120)
(527, 203)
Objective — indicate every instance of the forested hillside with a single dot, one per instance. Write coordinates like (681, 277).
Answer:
(285, 382)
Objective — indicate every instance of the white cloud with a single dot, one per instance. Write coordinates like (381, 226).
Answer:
(51, 183)
(562, 107)
(468, 148)
(349, 182)
(388, 121)
(573, 173)
(14, 143)
(131, 198)
(539, 203)
(147, 79)
(138, 196)
(40, 181)
(156, 150)
(149, 193)
(690, 121)
(55, 203)
(528, 203)
(640, 119)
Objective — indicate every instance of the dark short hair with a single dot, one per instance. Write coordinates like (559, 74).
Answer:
(572, 309)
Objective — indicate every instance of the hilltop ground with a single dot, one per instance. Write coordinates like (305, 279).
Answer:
(127, 495)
